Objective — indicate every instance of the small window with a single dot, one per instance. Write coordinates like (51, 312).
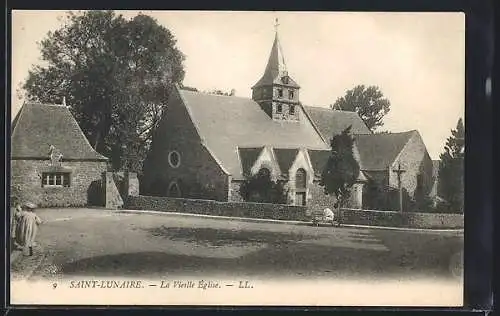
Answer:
(292, 109)
(290, 94)
(174, 190)
(279, 108)
(55, 179)
(284, 80)
(174, 159)
(280, 93)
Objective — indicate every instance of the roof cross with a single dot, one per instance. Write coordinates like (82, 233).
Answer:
(276, 24)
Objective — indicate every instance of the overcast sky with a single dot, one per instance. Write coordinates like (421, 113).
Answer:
(417, 59)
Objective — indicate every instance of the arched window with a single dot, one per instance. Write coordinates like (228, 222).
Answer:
(174, 190)
(300, 179)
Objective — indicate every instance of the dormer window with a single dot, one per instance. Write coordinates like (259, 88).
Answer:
(290, 94)
(280, 93)
(279, 108)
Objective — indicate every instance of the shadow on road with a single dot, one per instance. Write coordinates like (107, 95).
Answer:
(279, 260)
(221, 237)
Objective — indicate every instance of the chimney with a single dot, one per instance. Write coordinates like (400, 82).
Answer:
(64, 101)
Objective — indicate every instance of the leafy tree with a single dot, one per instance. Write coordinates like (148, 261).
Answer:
(116, 75)
(368, 102)
(341, 170)
(261, 188)
(451, 169)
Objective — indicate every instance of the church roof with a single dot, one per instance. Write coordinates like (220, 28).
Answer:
(248, 156)
(379, 151)
(319, 158)
(333, 122)
(37, 126)
(285, 157)
(226, 123)
(276, 68)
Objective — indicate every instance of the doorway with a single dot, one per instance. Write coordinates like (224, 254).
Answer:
(300, 198)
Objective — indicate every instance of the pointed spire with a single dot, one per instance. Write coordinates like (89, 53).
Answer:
(276, 66)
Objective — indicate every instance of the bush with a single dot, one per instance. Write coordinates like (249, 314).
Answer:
(262, 189)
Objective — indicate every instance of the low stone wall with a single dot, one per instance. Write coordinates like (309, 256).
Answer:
(434, 220)
(396, 219)
(292, 212)
(211, 207)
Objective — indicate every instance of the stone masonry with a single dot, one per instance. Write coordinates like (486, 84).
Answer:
(26, 176)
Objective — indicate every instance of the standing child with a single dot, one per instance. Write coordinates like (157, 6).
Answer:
(28, 228)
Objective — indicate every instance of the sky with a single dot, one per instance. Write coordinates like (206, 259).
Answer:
(416, 59)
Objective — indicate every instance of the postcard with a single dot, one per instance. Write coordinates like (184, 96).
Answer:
(237, 158)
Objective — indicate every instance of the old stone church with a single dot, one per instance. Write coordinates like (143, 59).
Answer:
(207, 145)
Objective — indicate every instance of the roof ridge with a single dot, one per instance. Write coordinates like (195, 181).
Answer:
(213, 94)
(390, 133)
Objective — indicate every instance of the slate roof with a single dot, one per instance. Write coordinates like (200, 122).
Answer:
(378, 151)
(37, 126)
(285, 157)
(319, 159)
(330, 122)
(226, 123)
(248, 156)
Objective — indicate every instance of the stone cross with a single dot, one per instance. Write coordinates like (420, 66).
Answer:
(399, 172)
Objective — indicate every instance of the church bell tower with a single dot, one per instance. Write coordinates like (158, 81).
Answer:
(276, 92)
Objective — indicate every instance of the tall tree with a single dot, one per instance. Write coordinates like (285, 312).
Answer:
(341, 170)
(116, 75)
(368, 102)
(451, 169)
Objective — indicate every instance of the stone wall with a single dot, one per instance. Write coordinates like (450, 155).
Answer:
(319, 200)
(397, 219)
(235, 195)
(26, 177)
(416, 161)
(291, 212)
(198, 174)
(210, 207)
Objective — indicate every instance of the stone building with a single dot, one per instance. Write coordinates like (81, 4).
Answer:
(207, 145)
(52, 162)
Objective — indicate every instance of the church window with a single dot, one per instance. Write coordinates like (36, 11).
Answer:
(279, 108)
(292, 109)
(300, 179)
(290, 94)
(280, 93)
(174, 159)
(174, 190)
